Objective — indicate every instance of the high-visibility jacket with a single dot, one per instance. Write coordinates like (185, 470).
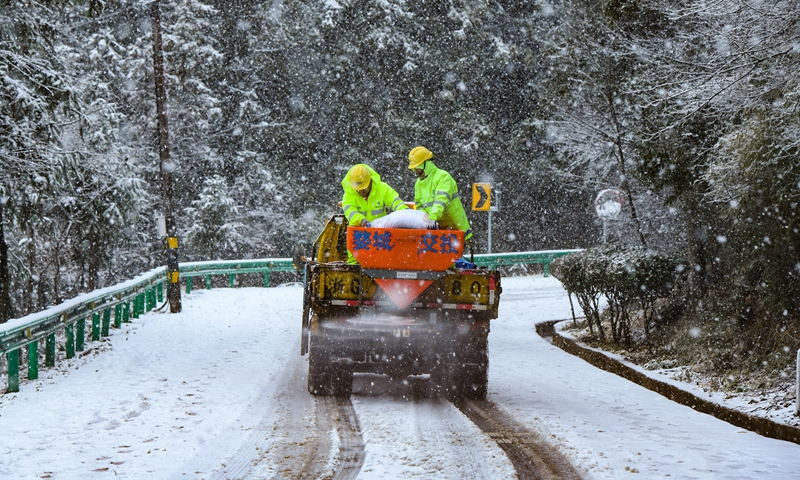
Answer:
(437, 194)
(382, 200)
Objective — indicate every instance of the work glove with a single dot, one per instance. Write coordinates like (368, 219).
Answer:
(433, 225)
(366, 223)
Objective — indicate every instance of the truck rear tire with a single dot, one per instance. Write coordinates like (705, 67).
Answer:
(465, 375)
(326, 378)
(474, 382)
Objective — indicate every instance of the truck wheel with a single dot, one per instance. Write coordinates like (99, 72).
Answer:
(475, 373)
(336, 382)
(474, 382)
(461, 381)
(441, 379)
(465, 375)
(318, 370)
(326, 378)
(341, 381)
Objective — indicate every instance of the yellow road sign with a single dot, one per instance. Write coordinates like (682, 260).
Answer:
(481, 197)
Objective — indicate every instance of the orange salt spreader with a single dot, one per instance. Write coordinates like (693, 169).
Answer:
(404, 262)
(412, 307)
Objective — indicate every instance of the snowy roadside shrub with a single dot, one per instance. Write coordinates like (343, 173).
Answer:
(574, 273)
(630, 278)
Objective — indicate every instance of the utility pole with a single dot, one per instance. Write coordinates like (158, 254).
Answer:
(166, 166)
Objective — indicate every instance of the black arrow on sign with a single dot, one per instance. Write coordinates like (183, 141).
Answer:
(484, 196)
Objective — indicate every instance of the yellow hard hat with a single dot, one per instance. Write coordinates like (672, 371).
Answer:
(360, 177)
(417, 156)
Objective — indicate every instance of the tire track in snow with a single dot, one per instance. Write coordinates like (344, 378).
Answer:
(218, 462)
(298, 436)
(351, 444)
(532, 457)
(448, 430)
(411, 432)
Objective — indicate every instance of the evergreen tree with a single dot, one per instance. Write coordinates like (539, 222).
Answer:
(35, 90)
(212, 234)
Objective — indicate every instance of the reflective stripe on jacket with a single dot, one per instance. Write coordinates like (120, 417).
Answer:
(382, 200)
(437, 194)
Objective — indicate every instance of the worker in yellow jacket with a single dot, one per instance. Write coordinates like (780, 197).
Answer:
(366, 197)
(436, 193)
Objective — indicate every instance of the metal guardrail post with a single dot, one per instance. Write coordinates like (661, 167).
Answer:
(106, 322)
(33, 360)
(188, 285)
(50, 351)
(13, 371)
(95, 326)
(69, 333)
(266, 279)
(160, 291)
(231, 280)
(126, 312)
(81, 334)
(118, 315)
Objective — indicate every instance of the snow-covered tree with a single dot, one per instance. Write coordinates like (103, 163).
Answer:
(598, 76)
(35, 90)
(213, 232)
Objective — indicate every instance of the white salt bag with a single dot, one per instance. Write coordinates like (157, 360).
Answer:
(403, 219)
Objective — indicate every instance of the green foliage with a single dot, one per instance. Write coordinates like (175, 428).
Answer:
(758, 179)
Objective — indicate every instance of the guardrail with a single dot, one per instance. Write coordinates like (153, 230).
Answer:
(128, 299)
(233, 268)
(91, 316)
(494, 260)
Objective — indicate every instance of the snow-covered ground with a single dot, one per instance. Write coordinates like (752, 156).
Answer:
(776, 404)
(182, 396)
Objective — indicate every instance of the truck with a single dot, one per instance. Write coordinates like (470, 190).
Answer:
(411, 306)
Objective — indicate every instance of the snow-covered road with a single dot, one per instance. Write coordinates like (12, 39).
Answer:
(219, 391)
